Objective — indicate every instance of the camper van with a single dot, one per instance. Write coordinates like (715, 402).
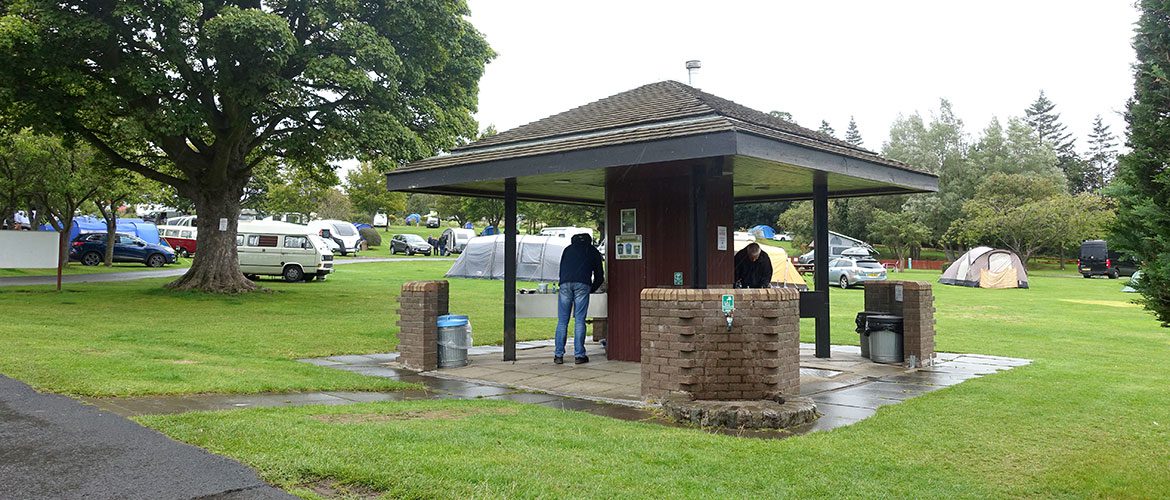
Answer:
(565, 232)
(282, 249)
(457, 238)
(344, 235)
(180, 233)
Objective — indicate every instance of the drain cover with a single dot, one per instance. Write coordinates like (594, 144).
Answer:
(819, 372)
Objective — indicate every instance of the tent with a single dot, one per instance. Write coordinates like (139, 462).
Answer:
(413, 219)
(762, 231)
(538, 258)
(784, 274)
(1130, 287)
(986, 267)
(86, 224)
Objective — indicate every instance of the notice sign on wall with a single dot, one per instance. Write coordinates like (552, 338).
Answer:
(721, 238)
(628, 247)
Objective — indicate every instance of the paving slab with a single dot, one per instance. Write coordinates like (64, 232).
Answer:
(55, 447)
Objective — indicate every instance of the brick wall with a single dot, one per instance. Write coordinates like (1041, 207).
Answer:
(686, 346)
(916, 309)
(419, 306)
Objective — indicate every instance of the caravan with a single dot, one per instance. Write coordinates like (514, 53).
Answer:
(341, 236)
(282, 249)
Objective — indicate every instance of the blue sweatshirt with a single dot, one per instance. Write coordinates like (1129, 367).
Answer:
(581, 263)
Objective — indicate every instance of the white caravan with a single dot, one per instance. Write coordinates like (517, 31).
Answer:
(457, 238)
(281, 249)
(341, 236)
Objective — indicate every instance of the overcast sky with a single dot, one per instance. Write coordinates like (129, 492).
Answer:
(816, 60)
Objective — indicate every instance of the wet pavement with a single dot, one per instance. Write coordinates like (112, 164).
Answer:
(55, 447)
(846, 387)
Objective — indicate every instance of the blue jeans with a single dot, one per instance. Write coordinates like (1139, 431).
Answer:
(573, 297)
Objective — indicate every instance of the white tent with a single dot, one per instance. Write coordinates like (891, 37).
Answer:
(538, 258)
(986, 267)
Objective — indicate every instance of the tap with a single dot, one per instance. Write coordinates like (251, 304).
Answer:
(727, 316)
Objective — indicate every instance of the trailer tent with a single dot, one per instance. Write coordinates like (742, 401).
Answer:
(986, 267)
(538, 258)
(784, 274)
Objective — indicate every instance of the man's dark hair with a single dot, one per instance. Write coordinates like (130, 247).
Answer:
(582, 238)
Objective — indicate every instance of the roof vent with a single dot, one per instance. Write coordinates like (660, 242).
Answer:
(693, 71)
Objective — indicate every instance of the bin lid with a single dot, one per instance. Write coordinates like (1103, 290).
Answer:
(452, 316)
(452, 322)
(883, 319)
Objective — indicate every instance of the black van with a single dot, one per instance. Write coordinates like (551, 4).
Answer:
(1097, 260)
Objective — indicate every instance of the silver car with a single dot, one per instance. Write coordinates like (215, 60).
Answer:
(849, 272)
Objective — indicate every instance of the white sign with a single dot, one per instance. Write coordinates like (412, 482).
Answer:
(897, 293)
(721, 237)
(29, 249)
(223, 224)
(628, 247)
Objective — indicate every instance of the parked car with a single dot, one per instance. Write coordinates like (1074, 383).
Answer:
(851, 252)
(1097, 260)
(381, 220)
(282, 249)
(432, 222)
(90, 249)
(409, 244)
(848, 272)
(783, 237)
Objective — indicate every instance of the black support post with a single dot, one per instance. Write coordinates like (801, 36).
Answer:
(510, 228)
(821, 260)
(699, 228)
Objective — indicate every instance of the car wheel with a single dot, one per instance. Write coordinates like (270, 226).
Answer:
(251, 277)
(410, 253)
(183, 253)
(1113, 274)
(293, 274)
(155, 260)
(91, 259)
(1087, 275)
(844, 282)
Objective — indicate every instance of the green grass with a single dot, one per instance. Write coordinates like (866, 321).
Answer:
(77, 268)
(134, 338)
(1089, 418)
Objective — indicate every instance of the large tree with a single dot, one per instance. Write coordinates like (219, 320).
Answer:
(1101, 163)
(366, 186)
(853, 134)
(1045, 121)
(1143, 180)
(217, 87)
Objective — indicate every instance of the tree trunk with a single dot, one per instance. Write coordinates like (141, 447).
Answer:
(1062, 250)
(216, 267)
(111, 219)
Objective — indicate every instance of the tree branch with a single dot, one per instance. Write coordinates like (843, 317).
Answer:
(121, 161)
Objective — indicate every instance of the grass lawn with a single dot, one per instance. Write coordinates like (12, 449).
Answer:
(1089, 418)
(78, 268)
(135, 337)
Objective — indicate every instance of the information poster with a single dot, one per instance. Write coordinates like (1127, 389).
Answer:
(721, 238)
(629, 222)
(628, 247)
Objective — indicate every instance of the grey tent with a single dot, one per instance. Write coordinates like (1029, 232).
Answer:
(986, 267)
(538, 258)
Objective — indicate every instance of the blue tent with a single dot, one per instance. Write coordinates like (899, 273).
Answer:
(86, 224)
(413, 218)
(488, 231)
(468, 226)
(762, 231)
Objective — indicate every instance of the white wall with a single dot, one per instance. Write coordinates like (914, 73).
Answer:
(28, 249)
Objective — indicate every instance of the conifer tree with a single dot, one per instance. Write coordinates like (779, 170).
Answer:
(852, 134)
(1102, 157)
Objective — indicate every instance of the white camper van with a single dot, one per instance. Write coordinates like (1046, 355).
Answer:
(282, 249)
(565, 232)
(342, 236)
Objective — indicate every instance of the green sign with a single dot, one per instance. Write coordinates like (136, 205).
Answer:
(728, 303)
(678, 279)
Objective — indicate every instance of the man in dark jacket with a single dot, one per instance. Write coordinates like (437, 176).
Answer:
(581, 275)
(753, 268)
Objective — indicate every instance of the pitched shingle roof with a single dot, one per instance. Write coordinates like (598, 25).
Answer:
(660, 110)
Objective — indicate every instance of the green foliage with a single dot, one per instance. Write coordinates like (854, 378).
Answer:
(1042, 117)
(899, 231)
(366, 187)
(827, 129)
(853, 134)
(334, 204)
(539, 215)
(372, 236)
(753, 214)
(1143, 180)
(1101, 163)
(798, 220)
(783, 115)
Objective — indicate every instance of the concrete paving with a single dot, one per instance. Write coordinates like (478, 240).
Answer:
(56, 447)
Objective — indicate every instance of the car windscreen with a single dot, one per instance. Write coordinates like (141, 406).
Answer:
(414, 238)
(869, 264)
(343, 229)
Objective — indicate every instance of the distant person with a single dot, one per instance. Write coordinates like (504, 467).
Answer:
(434, 243)
(443, 245)
(581, 275)
(753, 268)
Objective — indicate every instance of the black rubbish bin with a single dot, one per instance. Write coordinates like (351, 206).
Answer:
(863, 335)
(885, 338)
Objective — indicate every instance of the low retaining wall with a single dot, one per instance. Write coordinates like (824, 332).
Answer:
(419, 306)
(686, 347)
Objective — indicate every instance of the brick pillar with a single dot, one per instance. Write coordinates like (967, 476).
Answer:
(419, 306)
(916, 309)
(686, 346)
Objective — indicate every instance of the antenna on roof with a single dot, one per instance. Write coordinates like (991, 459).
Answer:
(693, 71)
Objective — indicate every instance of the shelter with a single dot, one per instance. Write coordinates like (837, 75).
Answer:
(784, 274)
(668, 162)
(986, 267)
(762, 231)
(538, 258)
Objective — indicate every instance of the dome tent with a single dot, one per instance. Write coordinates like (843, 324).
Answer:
(762, 231)
(986, 267)
(784, 274)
